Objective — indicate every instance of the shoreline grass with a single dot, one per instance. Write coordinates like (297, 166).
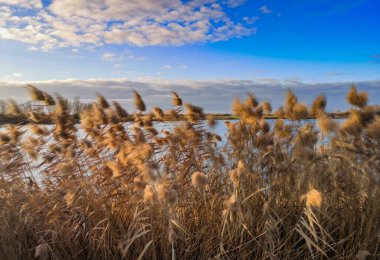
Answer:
(117, 192)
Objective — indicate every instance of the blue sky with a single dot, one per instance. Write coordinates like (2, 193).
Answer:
(267, 42)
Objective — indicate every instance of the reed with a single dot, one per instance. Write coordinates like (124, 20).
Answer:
(103, 189)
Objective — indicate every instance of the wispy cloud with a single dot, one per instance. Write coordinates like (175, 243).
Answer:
(108, 56)
(33, 48)
(166, 67)
(133, 57)
(67, 23)
(213, 95)
(234, 3)
(17, 74)
(23, 3)
(265, 10)
(251, 20)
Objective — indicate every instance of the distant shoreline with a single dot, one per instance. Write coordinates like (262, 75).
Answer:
(23, 120)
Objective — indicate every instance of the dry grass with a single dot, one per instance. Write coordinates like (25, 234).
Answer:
(115, 191)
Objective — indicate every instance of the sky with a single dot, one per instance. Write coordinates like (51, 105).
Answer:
(208, 51)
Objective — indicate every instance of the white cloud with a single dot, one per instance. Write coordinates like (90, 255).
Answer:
(265, 10)
(17, 74)
(250, 20)
(118, 65)
(23, 3)
(32, 48)
(234, 3)
(108, 56)
(166, 67)
(5, 14)
(213, 95)
(68, 23)
(183, 66)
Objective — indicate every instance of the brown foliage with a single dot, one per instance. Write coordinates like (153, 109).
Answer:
(106, 189)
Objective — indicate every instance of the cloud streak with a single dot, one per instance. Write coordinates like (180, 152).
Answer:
(67, 23)
(265, 10)
(108, 56)
(234, 3)
(213, 95)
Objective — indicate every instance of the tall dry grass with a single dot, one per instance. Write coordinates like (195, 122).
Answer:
(134, 192)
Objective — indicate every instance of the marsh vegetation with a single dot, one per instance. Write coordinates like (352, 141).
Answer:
(134, 192)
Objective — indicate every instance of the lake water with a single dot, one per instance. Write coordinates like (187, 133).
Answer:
(220, 128)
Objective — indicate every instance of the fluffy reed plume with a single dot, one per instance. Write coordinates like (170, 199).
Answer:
(280, 112)
(318, 105)
(373, 129)
(290, 101)
(313, 199)
(102, 102)
(299, 111)
(158, 113)
(306, 136)
(232, 203)
(151, 130)
(357, 99)
(267, 107)
(13, 109)
(251, 101)
(69, 198)
(112, 117)
(99, 115)
(120, 111)
(177, 101)
(353, 124)
(61, 106)
(326, 124)
(35, 94)
(149, 195)
(106, 189)
(171, 115)
(194, 113)
(199, 179)
(139, 102)
(238, 108)
(166, 194)
(234, 175)
(240, 166)
(115, 169)
(49, 100)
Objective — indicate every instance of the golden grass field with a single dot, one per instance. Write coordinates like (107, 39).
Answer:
(112, 191)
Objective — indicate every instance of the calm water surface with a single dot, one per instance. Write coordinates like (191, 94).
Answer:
(220, 128)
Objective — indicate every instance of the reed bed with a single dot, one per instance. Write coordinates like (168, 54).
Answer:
(107, 190)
